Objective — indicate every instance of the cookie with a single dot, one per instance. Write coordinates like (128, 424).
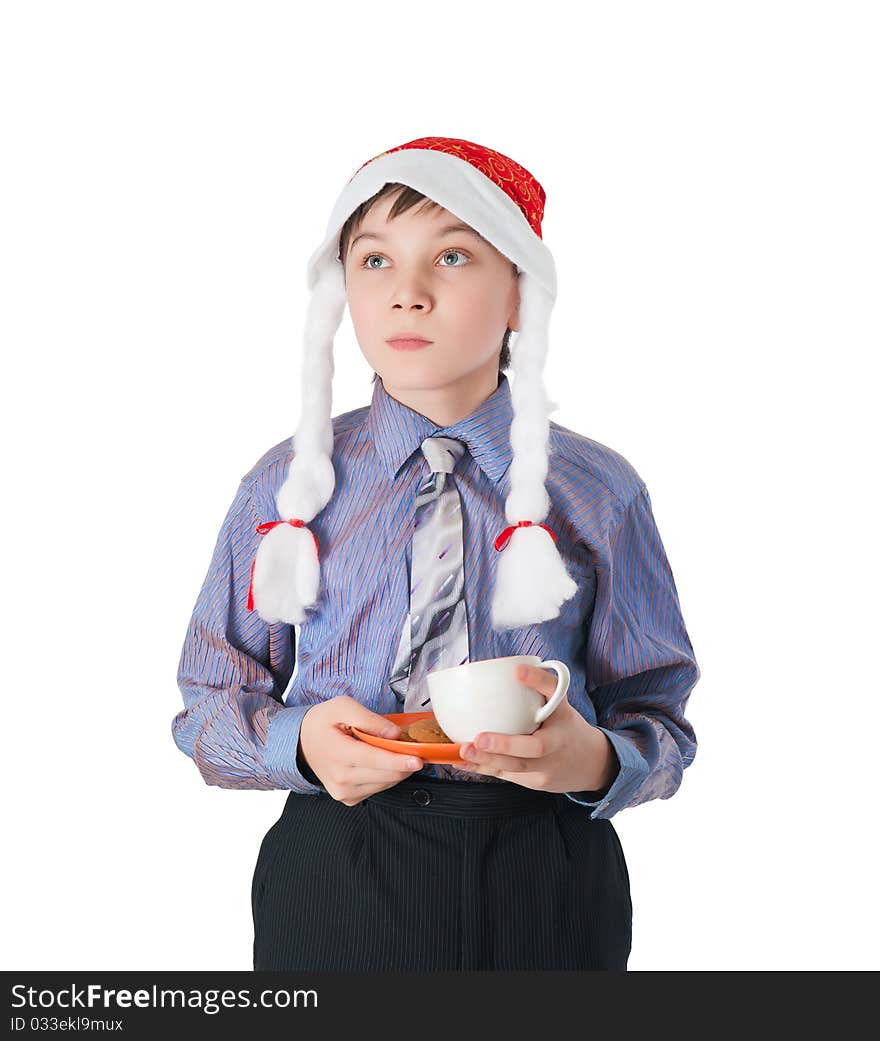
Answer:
(429, 732)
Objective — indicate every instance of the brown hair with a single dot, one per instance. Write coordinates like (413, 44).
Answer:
(407, 198)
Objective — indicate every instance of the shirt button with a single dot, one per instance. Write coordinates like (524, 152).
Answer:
(421, 796)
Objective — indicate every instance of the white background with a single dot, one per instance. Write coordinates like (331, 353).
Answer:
(711, 172)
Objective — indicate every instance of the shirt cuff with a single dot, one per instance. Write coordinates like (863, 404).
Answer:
(633, 770)
(280, 756)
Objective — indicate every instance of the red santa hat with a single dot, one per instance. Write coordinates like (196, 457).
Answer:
(503, 202)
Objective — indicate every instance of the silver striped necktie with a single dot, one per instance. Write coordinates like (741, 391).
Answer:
(435, 633)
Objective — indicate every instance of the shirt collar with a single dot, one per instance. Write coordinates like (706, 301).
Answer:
(397, 430)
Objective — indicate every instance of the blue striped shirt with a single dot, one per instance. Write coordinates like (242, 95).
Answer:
(622, 635)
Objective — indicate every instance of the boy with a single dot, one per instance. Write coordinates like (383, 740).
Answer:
(506, 859)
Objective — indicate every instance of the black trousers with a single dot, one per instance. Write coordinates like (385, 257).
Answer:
(435, 874)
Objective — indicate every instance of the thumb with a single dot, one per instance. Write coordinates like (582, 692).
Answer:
(370, 722)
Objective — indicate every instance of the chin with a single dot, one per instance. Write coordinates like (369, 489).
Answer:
(411, 369)
(411, 380)
(423, 370)
(421, 375)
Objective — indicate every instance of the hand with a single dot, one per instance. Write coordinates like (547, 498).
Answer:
(350, 769)
(565, 753)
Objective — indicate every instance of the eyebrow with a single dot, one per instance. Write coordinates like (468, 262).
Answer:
(447, 230)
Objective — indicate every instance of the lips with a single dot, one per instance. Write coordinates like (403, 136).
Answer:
(408, 343)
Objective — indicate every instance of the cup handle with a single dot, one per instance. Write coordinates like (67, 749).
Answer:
(561, 670)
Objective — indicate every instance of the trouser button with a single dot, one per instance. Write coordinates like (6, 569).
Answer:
(421, 796)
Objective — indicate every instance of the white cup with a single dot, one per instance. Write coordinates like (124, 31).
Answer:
(486, 696)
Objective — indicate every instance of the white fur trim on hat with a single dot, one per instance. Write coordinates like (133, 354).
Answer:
(458, 187)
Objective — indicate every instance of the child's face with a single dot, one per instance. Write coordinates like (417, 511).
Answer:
(453, 288)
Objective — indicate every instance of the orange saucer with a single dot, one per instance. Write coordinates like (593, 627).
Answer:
(427, 752)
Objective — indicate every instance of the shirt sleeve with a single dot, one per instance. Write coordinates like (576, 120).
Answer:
(233, 670)
(640, 665)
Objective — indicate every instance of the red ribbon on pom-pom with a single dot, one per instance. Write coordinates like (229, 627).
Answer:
(504, 537)
(263, 529)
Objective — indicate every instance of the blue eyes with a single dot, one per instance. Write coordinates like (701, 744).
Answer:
(365, 263)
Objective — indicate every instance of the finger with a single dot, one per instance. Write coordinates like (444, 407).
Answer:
(364, 779)
(542, 680)
(360, 754)
(523, 746)
(379, 727)
(499, 764)
(356, 793)
(365, 775)
(379, 783)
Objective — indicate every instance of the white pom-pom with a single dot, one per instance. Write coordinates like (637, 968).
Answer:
(531, 582)
(286, 574)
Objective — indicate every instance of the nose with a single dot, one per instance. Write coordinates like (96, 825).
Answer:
(411, 294)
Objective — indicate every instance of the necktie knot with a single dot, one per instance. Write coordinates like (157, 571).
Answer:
(442, 453)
